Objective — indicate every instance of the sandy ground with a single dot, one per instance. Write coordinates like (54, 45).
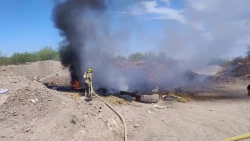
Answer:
(32, 112)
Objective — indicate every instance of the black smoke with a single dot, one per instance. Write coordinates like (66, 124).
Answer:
(71, 17)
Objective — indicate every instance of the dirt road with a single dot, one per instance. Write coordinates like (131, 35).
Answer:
(32, 112)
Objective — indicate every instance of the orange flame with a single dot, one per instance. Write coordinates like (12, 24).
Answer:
(75, 85)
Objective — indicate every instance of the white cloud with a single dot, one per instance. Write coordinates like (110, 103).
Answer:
(152, 7)
(222, 25)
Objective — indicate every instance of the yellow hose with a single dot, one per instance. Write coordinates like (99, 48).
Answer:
(122, 119)
(237, 138)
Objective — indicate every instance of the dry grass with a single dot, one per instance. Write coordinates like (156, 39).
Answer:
(183, 98)
(110, 99)
(75, 96)
(114, 100)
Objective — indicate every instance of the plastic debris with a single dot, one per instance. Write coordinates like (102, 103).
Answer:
(3, 91)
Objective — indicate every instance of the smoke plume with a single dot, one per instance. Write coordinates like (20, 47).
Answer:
(71, 17)
(87, 43)
(194, 36)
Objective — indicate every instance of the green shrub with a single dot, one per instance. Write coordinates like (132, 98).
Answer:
(136, 57)
(19, 58)
(47, 53)
(4, 60)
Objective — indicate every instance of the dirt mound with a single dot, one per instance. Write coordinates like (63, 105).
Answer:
(57, 80)
(238, 70)
(28, 103)
(209, 70)
(38, 69)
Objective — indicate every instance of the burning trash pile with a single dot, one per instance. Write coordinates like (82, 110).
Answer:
(147, 94)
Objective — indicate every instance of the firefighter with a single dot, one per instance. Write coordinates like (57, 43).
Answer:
(87, 83)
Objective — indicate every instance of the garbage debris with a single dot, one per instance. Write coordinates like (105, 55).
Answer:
(102, 90)
(170, 98)
(159, 107)
(3, 91)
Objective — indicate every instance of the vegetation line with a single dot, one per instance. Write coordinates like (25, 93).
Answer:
(47, 53)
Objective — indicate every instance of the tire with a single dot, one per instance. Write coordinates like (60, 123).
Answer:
(148, 98)
(130, 93)
(126, 97)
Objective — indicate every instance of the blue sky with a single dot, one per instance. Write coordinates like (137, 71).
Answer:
(27, 25)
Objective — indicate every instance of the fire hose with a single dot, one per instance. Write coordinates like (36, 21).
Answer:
(120, 116)
(237, 138)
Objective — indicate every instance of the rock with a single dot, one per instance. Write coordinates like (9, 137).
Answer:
(159, 107)
(27, 130)
(34, 100)
(111, 121)
(135, 126)
(82, 131)
(148, 111)
(15, 113)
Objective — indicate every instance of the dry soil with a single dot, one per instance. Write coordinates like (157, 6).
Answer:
(32, 112)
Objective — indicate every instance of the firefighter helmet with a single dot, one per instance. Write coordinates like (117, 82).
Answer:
(89, 70)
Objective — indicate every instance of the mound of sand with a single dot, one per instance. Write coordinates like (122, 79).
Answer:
(38, 69)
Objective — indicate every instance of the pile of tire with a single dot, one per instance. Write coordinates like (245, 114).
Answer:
(144, 98)
(131, 95)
